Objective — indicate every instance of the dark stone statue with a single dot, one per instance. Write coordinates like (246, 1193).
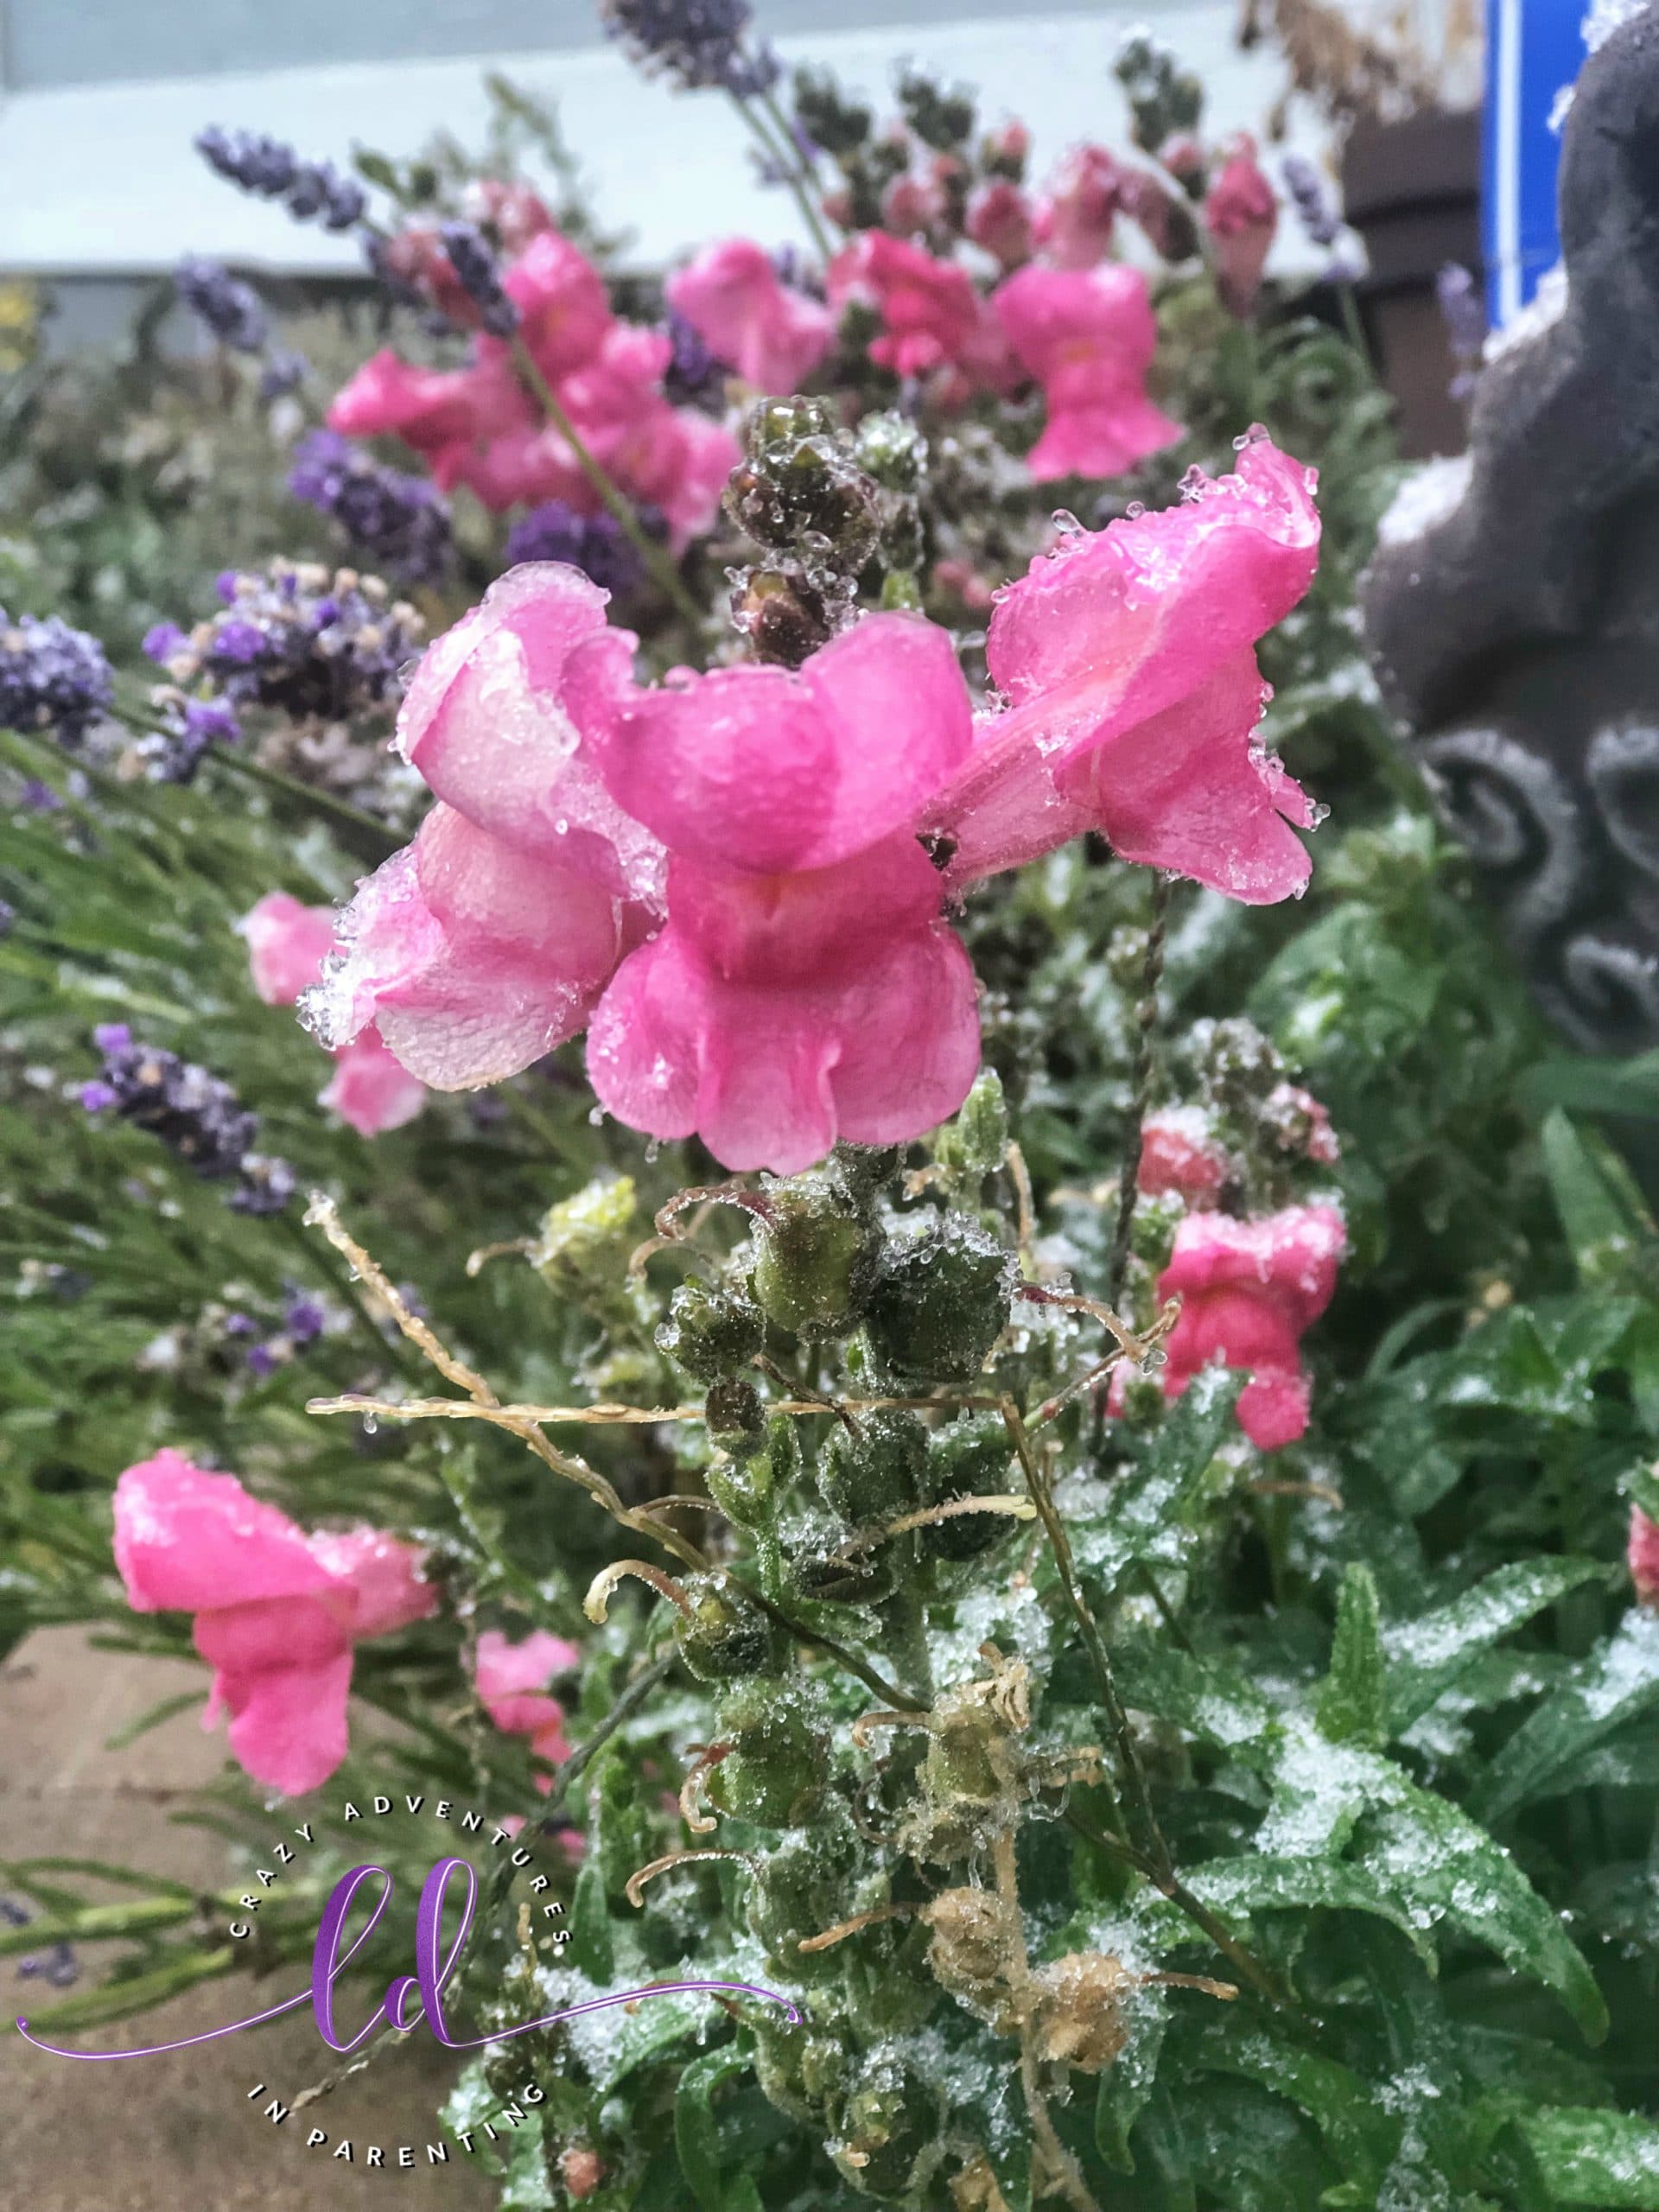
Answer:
(1512, 606)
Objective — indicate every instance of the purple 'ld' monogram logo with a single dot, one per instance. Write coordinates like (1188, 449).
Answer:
(410, 1997)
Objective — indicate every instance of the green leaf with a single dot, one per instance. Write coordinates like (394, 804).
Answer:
(1615, 1685)
(1597, 2157)
(1258, 1882)
(591, 1950)
(1359, 2135)
(1353, 1701)
(1426, 1656)
(1206, 1697)
(696, 2130)
(1124, 2088)
(1589, 1086)
(123, 1995)
(1601, 1209)
(152, 1717)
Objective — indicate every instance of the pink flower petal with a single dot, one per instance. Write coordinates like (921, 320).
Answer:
(185, 1538)
(287, 943)
(733, 298)
(564, 309)
(371, 1091)
(283, 1668)
(384, 1577)
(511, 1680)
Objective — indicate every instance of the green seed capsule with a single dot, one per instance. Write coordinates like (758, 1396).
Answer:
(711, 1333)
(940, 1300)
(735, 1417)
(814, 1259)
(726, 1635)
(970, 1459)
(873, 1475)
(889, 2134)
(585, 1242)
(774, 1772)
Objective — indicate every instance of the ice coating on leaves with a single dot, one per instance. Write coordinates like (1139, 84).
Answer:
(1319, 1790)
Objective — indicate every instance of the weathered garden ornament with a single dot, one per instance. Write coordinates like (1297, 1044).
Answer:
(1512, 606)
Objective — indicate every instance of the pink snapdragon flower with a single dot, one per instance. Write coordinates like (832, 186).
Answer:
(1001, 220)
(288, 944)
(511, 1680)
(564, 310)
(1088, 336)
(1644, 1556)
(1127, 657)
(486, 942)
(1075, 221)
(1241, 214)
(676, 458)
(931, 312)
(732, 296)
(277, 1612)
(804, 987)
(1249, 1291)
(451, 417)
(1180, 1153)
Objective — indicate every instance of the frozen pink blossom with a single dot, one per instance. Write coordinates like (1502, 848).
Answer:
(1075, 221)
(804, 987)
(733, 299)
(1127, 655)
(277, 1612)
(511, 1680)
(564, 310)
(1305, 1124)
(1001, 220)
(676, 458)
(1249, 1291)
(486, 942)
(1644, 1556)
(911, 204)
(1088, 336)
(288, 942)
(1180, 1153)
(929, 309)
(1241, 214)
(446, 416)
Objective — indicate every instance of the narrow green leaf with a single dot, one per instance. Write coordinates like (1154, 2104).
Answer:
(152, 1717)
(1259, 1882)
(1617, 1684)
(1426, 1656)
(590, 1949)
(120, 1997)
(1124, 2088)
(98, 1923)
(696, 2130)
(1353, 1701)
(1601, 1208)
(1358, 2133)
(1207, 1698)
(1608, 2158)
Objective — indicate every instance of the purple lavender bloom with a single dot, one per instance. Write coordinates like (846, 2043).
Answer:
(263, 1360)
(240, 1324)
(266, 1186)
(303, 1321)
(98, 1097)
(593, 544)
(228, 307)
(1315, 205)
(1465, 318)
(193, 727)
(693, 377)
(399, 522)
(284, 371)
(319, 189)
(39, 798)
(112, 1036)
(13, 1914)
(196, 1115)
(226, 583)
(696, 43)
(57, 1967)
(242, 642)
(51, 677)
(8, 916)
(271, 170)
(163, 640)
(473, 258)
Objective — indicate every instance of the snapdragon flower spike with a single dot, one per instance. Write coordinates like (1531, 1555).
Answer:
(1241, 214)
(399, 523)
(1249, 1292)
(774, 337)
(1075, 219)
(1088, 336)
(288, 942)
(53, 679)
(932, 316)
(512, 1681)
(1127, 657)
(276, 1611)
(804, 987)
(487, 941)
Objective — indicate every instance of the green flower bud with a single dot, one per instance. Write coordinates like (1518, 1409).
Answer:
(891, 450)
(875, 1475)
(736, 1417)
(586, 1241)
(940, 1300)
(798, 2071)
(784, 618)
(775, 1771)
(726, 1635)
(972, 1457)
(814, 1259)
(775, 425)
(711, 1333)
(811, 1544)
(863, 1172)
(977, 1141)
(890, 2136)
(830, 120)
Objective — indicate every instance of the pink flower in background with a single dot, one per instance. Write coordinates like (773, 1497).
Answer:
(1180, 1153)
(514, 211)
(805, 987)
(288, 944)
(1644, 1556)
(1241, 214)
(732, 296)
(1127, 656)
(564, 310)
(277, 1612)
(911, 204)
(1001, 219)
(511, 1680)
(1075, 221)
(674, 457)
(485, 943)
(931, 314)
(1249, 1291)
(1088, 337)
(445, 415)
(1305, 1124)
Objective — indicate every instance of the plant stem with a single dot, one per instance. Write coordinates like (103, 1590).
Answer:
(660, 563)
(866, 1673)
(784, 152)
(1146, 1020)
(367, 827)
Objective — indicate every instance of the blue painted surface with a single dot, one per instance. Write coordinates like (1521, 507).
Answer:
(1533, 48)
